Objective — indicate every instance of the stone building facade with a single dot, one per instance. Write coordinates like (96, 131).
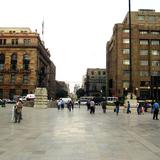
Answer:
(95, 82)
(24, 63)
(145, 55)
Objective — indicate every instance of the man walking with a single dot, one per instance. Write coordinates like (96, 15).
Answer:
(92, 107)
(155, 110)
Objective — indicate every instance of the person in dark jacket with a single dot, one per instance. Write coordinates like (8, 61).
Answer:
(117, 104)
(155, 110)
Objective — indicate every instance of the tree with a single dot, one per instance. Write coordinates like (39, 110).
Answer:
(80, 92)
(61, 94)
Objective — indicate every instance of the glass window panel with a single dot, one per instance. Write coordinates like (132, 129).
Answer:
(125, 84)
(126, 51)
(141, 17)
(143, 42)
(155, 52)
(144, 73)
(126, 62)
(143, 52)
(143, 63)
(143, 32)
(155, 42)
(126, 41)
(155, 63)
(126, 30)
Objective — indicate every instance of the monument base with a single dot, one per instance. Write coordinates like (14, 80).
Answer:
(41, 98)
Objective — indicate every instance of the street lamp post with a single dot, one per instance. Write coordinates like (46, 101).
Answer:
(130, 48)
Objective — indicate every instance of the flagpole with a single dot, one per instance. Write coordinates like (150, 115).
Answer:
(43, 29)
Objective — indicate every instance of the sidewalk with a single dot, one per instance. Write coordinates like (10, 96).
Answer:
(49, 134)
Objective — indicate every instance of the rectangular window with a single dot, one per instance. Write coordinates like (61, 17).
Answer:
(154, 42)
(141, 17)
(126, 51)
(26, 41)
(155, 32)
(126, 41)
(25, 79)
(144, 74)
(144, 63)
(151, 18)
(92, 72)
(1, 78)
(143, 42)
(155, 63)
(155, 73)
(104, 73)
(145, 83)
(125, 84)
(155, 52)
(14, 41)
(2, 41)
(125, 30)
(13, 78)
(1, 66)
(143, 32)
(143, 52)
(126, 62)
(126, 72)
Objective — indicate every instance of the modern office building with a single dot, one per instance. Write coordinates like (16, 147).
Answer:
(145, 55)
(24, 63)
(95, 82)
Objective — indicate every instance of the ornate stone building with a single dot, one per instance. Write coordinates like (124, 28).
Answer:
(95, 82)
(145, 55)
(24, 63)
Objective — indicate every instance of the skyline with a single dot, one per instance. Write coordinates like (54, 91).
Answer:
(75, 31)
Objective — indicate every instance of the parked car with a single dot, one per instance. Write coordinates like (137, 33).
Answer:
(30, 97)
(83, 101)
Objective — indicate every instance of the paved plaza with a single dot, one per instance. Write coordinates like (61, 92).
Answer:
(49, 134)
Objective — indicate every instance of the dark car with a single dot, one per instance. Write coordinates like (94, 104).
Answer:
(99, 100)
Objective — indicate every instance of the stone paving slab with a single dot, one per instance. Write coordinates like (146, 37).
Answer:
(47, 134)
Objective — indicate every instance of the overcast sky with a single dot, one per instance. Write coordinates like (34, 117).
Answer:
(75, 31)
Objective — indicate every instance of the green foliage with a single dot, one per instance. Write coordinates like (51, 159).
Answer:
(61, 94)
(80, 93)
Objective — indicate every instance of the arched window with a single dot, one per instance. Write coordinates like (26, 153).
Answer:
(14, 61)
(26, 61)
(2, 61)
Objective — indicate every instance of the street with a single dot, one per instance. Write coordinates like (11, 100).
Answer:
(47, 134)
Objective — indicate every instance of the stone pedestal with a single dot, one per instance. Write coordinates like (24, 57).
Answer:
(132, 98)
(41, 98)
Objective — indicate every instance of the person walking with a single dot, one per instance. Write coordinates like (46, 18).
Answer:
(138, 106)
(92, 107)
(117, 104)
(18, 111)
(128, 108)
(88, 105)
(79, 103)
(155, 110)
(59, 104)
(103, 104)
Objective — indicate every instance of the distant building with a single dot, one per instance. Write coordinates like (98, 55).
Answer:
(95, 82)
(145, 35)
(76, 87)
(24, 63)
